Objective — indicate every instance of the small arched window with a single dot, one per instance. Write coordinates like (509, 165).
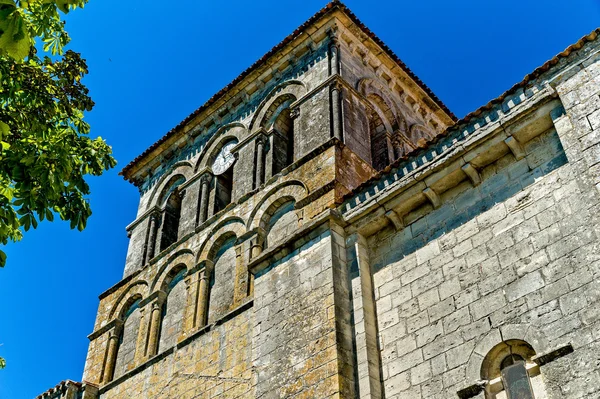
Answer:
(170, 200)
(173, 309)
(171, 217)
(128, 338)
(222, 282)
(222, 167)
(510, 373)
(282, 223)
(283, 141)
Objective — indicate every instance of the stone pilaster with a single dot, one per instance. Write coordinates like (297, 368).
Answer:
(261, 141)
(155, 321)
(203, 294)
(151, 245)
(204, 197)
(111, 351)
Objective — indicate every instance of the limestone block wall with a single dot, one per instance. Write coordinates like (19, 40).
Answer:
(297, 340)
(215, 364)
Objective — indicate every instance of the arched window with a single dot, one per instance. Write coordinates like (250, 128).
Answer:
(283, 141)
(128, 338)
(222, 167)
(510, 373)
(172, 214)
(222, 282)
(170, 199)
(381, 127)
(277, 120)
(282, 223)
(173, 309)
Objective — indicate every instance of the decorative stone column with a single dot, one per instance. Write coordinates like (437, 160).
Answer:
(192, 287)
(261, 141)
(203, 294)
(154, 329)
(390, 147)
(257, 243)
(334, 52)
(336, 110)
(241, 277)
(204, 192)
(140, 345)
(111, 351)
(153, 227)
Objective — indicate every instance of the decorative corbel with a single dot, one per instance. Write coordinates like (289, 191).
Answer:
(433, 197)
(396, 219)
(515, 147)
(472, 174)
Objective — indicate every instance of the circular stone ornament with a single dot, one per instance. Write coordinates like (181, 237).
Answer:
(224, 159)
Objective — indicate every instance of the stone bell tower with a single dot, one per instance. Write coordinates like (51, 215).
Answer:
(235, 283)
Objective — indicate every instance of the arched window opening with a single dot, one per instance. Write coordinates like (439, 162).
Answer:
(277, 120)
(223, 190)
(510, 373)
(222, 281)
(282, 223)
(171, 217)
(128, 338)
(379, 141)
(222, 167)
(173, 309)
(283, 141)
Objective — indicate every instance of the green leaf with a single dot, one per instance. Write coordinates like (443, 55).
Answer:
(2, 263)
(4, 128)
(14, 37)
(2, 361)
(7, 192)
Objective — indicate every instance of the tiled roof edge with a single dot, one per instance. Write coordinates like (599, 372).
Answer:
(58, 387)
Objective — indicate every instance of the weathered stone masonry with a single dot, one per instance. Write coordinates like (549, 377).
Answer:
(324, 227)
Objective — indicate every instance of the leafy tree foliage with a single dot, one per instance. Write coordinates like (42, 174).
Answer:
(45, 149)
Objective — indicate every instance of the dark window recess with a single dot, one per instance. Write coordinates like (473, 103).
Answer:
(516, 379)
(283, 141)
(379, 141)
(172, 214)
(223, 189)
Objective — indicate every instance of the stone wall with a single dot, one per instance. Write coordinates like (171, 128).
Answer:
(215, 363)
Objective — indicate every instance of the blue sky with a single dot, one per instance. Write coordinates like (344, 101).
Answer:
(151, 64)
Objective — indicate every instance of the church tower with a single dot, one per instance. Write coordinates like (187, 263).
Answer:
(235, 282)
(324, 227)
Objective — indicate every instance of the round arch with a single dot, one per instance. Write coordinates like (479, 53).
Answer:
(520, 332)
(232, 131)
(137, 290)
(183, 257)
(180, 169)
(295, 88)
(292, 189)
(229, 227)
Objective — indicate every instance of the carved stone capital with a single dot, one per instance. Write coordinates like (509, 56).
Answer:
(334, 36)
(209, 267)
(336, 85)
(206, 178)
(261, 139)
